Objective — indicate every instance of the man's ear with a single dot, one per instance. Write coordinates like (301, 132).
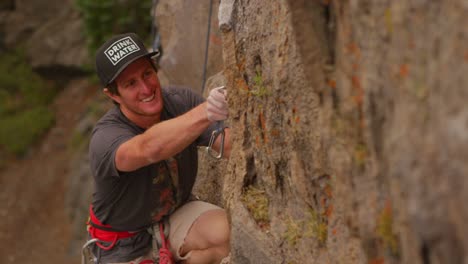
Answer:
(112, 96)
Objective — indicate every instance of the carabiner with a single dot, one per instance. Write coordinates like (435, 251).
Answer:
(87, 256)
(214, 135)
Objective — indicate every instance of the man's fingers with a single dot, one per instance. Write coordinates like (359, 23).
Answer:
(217, 107)
(216, 113)
(218, 96)
(221, 89)
(217, 104)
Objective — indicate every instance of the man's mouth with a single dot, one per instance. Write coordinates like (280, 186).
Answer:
(148, 99)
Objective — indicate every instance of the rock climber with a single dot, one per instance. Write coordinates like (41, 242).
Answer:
(143, 157)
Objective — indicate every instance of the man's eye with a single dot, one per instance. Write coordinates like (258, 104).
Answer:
(148, 73)
(130, 83)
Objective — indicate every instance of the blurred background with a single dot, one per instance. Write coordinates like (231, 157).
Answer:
(50, 99)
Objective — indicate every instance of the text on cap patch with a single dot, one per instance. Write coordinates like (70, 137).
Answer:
(121, 49)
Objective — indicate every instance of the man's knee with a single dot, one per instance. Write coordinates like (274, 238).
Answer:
(219, 227)
(212, 227)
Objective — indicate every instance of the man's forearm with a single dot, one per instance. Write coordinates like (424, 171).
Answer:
(162, 140)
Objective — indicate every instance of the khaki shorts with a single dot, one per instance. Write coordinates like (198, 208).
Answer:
(180, 221)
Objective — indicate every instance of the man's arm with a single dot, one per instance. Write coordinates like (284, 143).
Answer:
(162, 140)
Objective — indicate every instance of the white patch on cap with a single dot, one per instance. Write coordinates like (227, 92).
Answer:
(121, 49)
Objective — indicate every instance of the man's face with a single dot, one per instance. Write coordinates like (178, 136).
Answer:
(139, 91)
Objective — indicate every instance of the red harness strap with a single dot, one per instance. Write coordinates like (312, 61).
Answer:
(105, 234)
(165, 255)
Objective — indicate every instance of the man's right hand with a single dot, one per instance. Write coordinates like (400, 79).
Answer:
(217, 107)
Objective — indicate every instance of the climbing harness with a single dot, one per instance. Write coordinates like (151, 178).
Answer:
(101, 234)
(160, 244)
(214, 135)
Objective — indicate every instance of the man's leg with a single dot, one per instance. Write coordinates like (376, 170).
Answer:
(208, 239)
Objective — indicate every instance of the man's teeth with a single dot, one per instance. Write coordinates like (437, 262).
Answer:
(148, 99)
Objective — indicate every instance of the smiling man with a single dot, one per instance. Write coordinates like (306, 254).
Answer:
(143, 156)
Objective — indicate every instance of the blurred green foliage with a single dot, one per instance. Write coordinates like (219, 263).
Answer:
(105, 18)
(21, 130)
(24, 97)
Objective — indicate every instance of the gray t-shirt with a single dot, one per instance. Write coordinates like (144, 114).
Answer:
(129, 201)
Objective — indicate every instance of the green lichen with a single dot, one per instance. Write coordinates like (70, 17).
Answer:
(256, 202)
(259, 88)
(316, 227)
(385, 230)
(419, 89)
(293, 231)
(388, 20)
(360, 154)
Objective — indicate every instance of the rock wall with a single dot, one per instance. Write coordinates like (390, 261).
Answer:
(350, 125)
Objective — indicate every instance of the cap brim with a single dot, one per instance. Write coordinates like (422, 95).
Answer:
(149, 54)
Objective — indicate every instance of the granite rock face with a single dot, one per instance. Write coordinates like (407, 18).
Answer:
(350, 119)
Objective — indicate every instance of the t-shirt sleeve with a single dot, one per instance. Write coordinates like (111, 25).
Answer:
(103, 147)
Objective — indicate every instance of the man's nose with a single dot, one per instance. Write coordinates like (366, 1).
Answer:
(145, 87)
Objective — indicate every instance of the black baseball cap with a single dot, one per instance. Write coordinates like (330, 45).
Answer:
(117, 53)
